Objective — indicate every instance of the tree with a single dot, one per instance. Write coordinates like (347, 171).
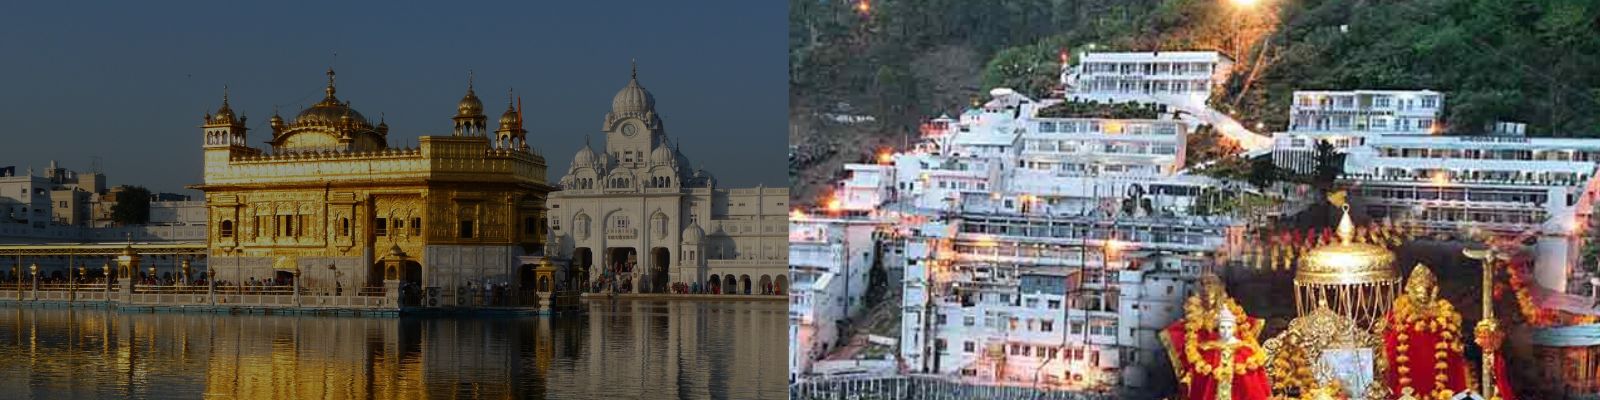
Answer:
(1033, 69)
(1262, 172)
(877, 278)
(133, 206)
(1329, 165)
(1206, 144)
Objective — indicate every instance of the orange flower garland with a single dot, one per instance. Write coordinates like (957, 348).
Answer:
(1197, 318)
(1442, 319)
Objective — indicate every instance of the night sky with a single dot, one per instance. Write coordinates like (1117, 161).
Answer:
(129, 84)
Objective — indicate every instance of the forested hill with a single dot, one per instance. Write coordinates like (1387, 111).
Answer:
(900, 61)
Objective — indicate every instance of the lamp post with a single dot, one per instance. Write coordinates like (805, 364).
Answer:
(1487, 330)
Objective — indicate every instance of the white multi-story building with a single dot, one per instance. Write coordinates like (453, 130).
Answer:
(1545, 187)
(1172, 77)
(1400, 169)
(1388, 111)
(26, 200)
(1181, 81)
(1021, 264)
(1346, 119)
(829, 261)
(1039, 300)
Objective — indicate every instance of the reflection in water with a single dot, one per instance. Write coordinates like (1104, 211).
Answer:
(621, 350)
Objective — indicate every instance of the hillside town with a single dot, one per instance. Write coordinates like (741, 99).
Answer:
(1050, 243)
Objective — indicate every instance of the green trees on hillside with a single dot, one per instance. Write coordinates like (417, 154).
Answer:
(1533, 61)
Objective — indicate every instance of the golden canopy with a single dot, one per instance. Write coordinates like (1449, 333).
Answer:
(1357, 280)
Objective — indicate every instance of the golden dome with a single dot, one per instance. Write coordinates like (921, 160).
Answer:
(225, 113)
(510, 120)
(1347, 262)
(469, 106)
(330, 110)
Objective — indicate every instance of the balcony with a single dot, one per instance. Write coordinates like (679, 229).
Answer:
(621, 233)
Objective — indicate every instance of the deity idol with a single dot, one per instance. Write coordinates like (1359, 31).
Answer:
(1214, 350)
(1422, 342)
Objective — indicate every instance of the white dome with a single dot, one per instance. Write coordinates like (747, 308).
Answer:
(584, 158)
(632, 99)
(693, 234)
(661, 155)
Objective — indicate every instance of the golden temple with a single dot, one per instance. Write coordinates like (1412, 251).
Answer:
(331, 198)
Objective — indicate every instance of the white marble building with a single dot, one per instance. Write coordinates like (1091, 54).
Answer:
(636, 209)
(1399, 169)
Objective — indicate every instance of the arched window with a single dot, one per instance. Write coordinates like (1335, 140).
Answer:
(227, 228)
(344, 226)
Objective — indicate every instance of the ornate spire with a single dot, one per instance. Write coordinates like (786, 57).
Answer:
(469, 81)
(1347, 229)
(635, 63)
(330, 89)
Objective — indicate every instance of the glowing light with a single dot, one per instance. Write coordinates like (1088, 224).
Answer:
(1440, 178)
(864, 6)
(987, 241)
(1244, 3)
(1111, 127)
(885, 156)
(797, 215)
(835, 205)
(1114, 247)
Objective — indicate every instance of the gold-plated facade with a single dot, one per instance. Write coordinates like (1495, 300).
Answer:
(331, 199)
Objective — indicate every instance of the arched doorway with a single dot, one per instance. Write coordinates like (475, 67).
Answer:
(583, 260)
(525, 276)
(659, 262)
(714, 285)
(282, 277)
(621, 262)
(781, 285)
(730, 285)
(765, 284)
(744, 284)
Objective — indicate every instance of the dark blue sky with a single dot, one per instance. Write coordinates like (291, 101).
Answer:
(129, 83)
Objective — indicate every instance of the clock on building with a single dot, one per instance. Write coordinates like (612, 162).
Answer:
(628, 129)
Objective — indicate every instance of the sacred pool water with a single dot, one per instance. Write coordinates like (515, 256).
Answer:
(619, 350)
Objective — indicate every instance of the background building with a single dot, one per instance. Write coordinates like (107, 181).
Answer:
(639, 215)
(1398, 168)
